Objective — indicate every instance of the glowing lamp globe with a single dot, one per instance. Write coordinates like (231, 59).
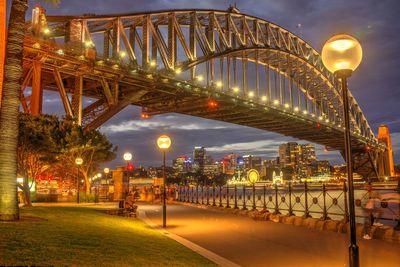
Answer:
(164, 142)
(341, 53)
(99, 175)
(127, 156)
(78, 161)
(106, 170)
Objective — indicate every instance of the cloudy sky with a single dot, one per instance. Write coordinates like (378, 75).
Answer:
(376, 84)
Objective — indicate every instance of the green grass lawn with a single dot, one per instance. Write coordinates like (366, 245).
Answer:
(82, 236)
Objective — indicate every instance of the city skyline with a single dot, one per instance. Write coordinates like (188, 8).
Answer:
(131, 133)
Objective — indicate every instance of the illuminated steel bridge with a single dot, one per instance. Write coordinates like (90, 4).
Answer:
(220, 65)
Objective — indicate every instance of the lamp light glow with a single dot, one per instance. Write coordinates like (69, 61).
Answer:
(341, 52)
(106, 170)
(235, 89)
(164, 142)
(264, 98)
(78, 161)
(127, 156)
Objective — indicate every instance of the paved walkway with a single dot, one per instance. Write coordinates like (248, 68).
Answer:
(264, 243)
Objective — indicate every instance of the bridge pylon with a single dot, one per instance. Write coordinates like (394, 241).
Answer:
(385, 161)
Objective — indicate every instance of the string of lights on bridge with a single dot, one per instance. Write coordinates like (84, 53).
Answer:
(216, 89)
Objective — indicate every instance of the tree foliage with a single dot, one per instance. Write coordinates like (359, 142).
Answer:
(47, 144)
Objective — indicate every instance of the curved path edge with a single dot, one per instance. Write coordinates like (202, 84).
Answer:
(221, 261)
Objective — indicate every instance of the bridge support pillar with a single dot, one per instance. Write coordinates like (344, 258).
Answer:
(386, 163)
(77, 99)
(37, 92)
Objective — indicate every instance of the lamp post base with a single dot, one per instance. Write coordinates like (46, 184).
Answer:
(354, 256)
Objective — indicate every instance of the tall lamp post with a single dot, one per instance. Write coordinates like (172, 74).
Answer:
(78, 162)
(341, 55)
(163, 143)
(127, 158)
(106, 172)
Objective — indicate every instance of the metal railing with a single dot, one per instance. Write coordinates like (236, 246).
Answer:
(325, 201)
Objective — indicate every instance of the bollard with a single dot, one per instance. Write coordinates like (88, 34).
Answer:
(346, 207)
(290, 200)
(220, 197)
(254, 197)
(276, 200)
(227, 196)
(236, 206)
(244, 198)
(306, 212)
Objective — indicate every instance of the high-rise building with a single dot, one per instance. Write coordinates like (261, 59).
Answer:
(301, 158)
(199, 155)
(323, 167)
(252, 162)
(289, 155)
(210, 167)
(182, 164)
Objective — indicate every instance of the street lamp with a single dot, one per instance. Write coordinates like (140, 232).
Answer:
(127, 158)
(106, 171)
(78, 162)
(341, 55)
(163, 143)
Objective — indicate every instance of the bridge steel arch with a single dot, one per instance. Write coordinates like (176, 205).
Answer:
(258, 74)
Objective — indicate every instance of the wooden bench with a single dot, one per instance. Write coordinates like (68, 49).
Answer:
(127, 212)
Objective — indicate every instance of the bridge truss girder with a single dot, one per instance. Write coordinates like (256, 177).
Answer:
(237, 50)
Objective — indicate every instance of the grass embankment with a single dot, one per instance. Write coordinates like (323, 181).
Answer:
(82, 236)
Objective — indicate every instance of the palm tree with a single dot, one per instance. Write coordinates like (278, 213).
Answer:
(9, 111)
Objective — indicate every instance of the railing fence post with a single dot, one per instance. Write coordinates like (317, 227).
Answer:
(208, 195)
(213, 189)
(306, 212)
(254, 197)
(264, 201)
(236, 206)
(244, 198)
(346, 207)
(202, 194)
(290, 199)
(325, 213)
(220, 197)
(276, 200)
(227, 196)
(197, 194)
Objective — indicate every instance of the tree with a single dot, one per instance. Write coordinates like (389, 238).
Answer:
(38, 147)
(92, 146)
(9, 110)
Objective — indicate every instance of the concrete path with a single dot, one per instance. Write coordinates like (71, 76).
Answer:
(263, 243)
